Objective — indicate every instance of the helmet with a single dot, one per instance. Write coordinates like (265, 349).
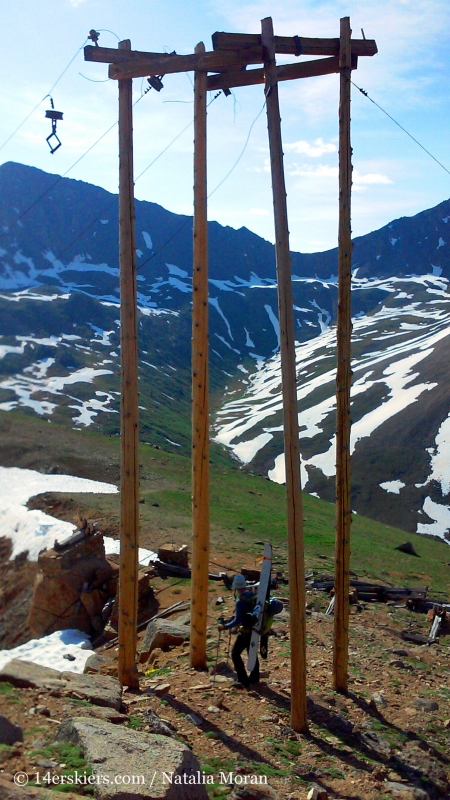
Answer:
(239, 582)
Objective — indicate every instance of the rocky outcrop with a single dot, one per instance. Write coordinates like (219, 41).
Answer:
(166, 768)
(76, 587)
(100, 690)
(70, 589)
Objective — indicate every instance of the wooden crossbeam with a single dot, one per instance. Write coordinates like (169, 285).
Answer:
(109, 55)
(286, 72)
(292, 45)
(230, 50)
(207, 62)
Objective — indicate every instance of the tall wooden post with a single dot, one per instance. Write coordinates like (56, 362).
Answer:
(200, 404)
(343, 376)
(129, 477)
(289, 387)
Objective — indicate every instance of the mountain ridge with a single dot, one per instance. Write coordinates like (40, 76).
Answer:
(59, 342)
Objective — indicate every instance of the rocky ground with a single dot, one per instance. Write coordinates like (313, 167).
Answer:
(389, 737)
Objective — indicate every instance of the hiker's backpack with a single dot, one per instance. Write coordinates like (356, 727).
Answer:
(272, 607)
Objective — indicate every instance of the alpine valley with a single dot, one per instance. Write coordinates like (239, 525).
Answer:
(59, 340)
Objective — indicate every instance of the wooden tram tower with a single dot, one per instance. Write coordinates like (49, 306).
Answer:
(225, 67)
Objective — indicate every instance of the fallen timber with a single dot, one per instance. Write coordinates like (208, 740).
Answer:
(181, 572)
(374, 591)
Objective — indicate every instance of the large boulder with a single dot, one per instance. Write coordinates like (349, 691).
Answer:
(26, 675)
(100, 690)
(163, 634)
(162, 768)
(9, 791)
(9, 733)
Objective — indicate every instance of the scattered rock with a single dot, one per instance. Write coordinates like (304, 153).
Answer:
(379, 773)
(341, 725)
(163, 634)
(220, 601)
(194, 718)
(108, 748)
(425, 705)
(214, 710)
(408, 548)
(160, 689)
(248, 792)
(9, 791)
(378, 700)
(373, 741)
(155, 724)
(47, 763)
(106, 713)
(94, 663)
(397, 662)
(317, 793)
(43, 710)
(405, 791)
(9, 733)
(154, 655)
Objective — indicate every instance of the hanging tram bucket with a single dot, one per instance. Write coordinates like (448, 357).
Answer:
(53, 140)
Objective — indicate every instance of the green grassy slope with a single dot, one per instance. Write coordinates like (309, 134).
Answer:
(245, 509)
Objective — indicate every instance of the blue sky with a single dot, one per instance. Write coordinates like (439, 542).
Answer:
(392, 176)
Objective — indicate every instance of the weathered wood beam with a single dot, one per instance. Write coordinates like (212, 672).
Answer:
(200, 383)
(343, 376)
(207, 62)
(109, 55)
(129, 470)
(286, 72)
(289, 389)
(293, 45)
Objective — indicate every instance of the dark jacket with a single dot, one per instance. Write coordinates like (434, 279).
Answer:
(244, 605)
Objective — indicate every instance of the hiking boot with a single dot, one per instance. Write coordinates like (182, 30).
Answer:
(238, 685)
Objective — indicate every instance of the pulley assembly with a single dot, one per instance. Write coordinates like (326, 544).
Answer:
(53, 140)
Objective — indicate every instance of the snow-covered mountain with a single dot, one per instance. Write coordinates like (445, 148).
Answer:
(59, 340)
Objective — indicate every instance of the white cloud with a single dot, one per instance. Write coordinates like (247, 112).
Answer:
(370, 177)
(325, 171)
(315, 150)
(321, 171)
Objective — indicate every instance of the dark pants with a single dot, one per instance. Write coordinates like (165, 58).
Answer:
(243, 643)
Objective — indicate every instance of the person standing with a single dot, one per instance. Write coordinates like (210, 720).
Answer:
(243, 620)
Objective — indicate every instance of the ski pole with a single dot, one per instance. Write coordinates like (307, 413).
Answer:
(217, 658)
(228, 648)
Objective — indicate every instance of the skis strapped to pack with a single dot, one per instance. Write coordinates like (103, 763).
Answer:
(258, 611)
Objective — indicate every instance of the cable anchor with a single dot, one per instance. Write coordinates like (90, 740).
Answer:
(54, 116)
